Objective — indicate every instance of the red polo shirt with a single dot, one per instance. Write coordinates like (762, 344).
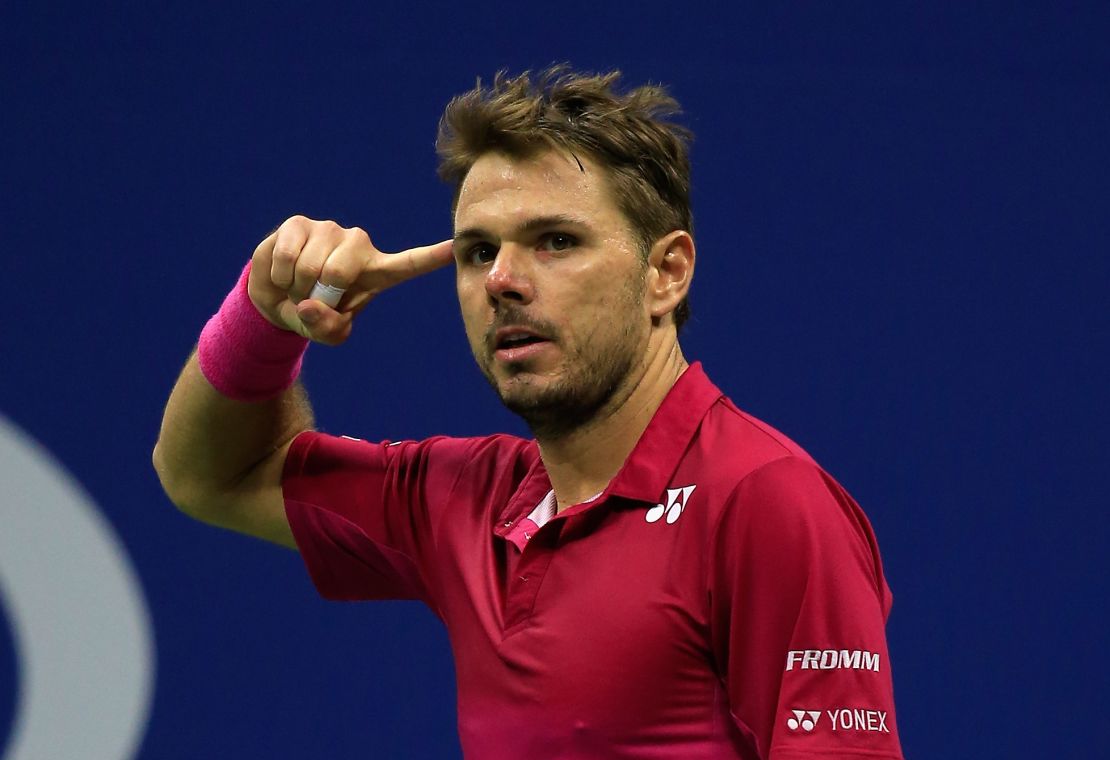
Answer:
(722, 598)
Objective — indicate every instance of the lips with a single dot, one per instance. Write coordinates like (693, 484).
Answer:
(516, 343)
(515, 337)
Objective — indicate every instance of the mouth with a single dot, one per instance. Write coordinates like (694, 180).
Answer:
(516, 344)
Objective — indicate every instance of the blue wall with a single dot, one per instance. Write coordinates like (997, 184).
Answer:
(902, 219)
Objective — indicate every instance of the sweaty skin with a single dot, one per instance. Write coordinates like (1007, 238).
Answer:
(541, 245)
(541, 248)
(221, 460)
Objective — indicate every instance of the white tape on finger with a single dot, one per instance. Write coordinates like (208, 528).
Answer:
(329, 294)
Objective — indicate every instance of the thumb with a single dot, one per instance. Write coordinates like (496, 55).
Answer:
(320, 323)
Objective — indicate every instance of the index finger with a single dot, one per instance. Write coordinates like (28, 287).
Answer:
(414, 262)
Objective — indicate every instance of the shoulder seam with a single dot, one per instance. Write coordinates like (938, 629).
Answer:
(729, 500)
(759, 425)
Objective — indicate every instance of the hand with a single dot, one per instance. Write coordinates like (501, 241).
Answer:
(301, 251)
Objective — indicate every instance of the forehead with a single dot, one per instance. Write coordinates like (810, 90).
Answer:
(503, 189)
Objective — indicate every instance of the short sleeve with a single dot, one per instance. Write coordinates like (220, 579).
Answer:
(798, 606)
(361, 512)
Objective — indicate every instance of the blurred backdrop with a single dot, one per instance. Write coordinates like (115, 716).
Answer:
(902, 220)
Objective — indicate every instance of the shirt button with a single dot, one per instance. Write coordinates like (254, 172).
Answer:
(508, 524)
(524, 578)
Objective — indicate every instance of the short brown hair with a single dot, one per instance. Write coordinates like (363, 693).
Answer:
(629, 135)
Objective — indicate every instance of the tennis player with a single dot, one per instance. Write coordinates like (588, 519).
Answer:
(657, 574)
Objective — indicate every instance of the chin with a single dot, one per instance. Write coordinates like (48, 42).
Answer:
(556, 398)
(522, 387)
(553, 407)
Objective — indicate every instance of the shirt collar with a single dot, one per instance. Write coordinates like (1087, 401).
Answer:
(649, 468)
(654, 459)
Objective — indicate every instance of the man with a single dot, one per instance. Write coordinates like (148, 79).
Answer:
(657, 574)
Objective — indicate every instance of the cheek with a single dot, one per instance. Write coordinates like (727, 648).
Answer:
(474, 309)
(609, 312)
(466, 291)
(622, 292)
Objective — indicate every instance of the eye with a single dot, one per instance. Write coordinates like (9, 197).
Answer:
(479, 254)
(558, 241)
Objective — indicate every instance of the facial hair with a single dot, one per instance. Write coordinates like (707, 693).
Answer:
(592, 373)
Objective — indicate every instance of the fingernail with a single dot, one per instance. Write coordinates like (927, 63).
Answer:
(309, 317)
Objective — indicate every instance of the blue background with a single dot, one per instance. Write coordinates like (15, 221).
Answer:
(902, 221)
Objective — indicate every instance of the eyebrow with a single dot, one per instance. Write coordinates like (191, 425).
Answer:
(529, 225)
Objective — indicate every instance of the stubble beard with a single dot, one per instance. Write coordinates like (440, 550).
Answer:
(589, 382)
(591, 376)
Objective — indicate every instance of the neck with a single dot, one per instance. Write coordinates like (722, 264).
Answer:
(581, 462)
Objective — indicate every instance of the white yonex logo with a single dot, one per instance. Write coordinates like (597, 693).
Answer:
(804, 719)
(841, 719)
(832, 659)
(858, 720)
(677, 498)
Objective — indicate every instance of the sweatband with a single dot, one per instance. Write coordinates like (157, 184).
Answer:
(243, 355)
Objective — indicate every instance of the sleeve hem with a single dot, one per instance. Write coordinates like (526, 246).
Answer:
(832, 754)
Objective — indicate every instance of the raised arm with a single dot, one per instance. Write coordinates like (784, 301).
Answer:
(220, 453)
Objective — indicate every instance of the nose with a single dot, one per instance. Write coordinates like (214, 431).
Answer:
(509, 277)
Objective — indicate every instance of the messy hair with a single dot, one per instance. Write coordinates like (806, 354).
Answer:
(629, 135)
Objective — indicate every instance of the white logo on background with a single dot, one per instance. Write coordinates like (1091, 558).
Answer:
(803, 719)
(82, 634)
(841, 719)
(858, 720)
(677, 498)
(832, 659)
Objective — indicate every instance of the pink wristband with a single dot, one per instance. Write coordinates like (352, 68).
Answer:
(243, 355)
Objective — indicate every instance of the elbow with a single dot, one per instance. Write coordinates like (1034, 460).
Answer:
(176, 484)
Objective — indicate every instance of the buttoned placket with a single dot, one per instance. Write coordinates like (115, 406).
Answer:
(528, 562)
(528, 574)
(534, 560)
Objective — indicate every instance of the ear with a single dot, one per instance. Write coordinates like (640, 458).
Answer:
(670, 271)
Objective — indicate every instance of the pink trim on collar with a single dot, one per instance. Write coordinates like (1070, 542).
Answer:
(536, 519)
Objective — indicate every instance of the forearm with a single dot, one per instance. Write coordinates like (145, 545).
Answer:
(236, 407)
(209, 445)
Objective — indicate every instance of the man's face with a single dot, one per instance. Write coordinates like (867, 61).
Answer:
(551, 286)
